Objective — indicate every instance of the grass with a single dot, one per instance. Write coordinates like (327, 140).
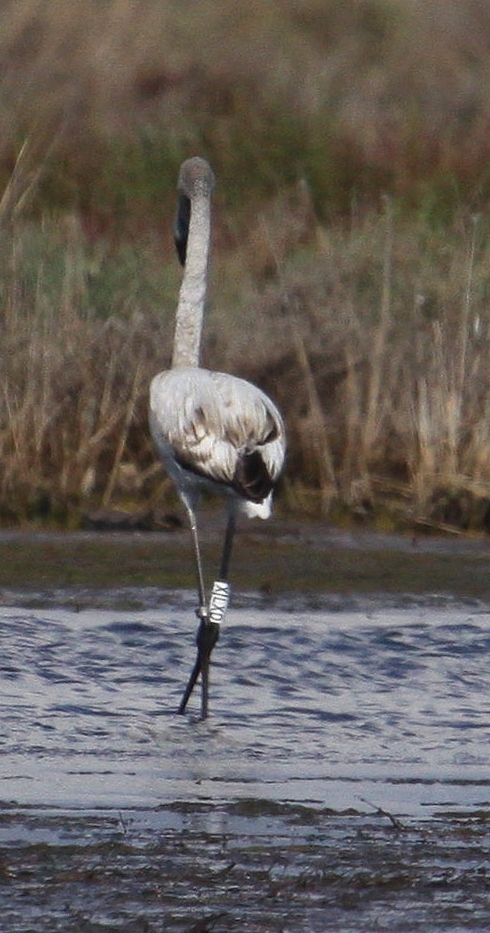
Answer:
(380, 96)
(350, 273)
(382, 329)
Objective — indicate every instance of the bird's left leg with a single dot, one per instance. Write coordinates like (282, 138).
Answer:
(210, 620)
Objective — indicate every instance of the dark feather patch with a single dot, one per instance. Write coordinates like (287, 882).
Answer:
(252, 478)
(271, 435)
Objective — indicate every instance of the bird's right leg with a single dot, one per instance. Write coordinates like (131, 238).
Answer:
(208, 631)
(228, 542)
(202, 610)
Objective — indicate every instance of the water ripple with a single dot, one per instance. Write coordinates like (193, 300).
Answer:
(392, 705)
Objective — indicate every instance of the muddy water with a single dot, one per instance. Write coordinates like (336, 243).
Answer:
(342, 781)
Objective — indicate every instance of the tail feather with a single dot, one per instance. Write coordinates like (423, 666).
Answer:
(258, 509)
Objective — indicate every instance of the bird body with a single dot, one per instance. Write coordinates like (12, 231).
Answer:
(216, 431)
(212, 430)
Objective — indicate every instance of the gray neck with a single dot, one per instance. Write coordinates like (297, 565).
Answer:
(192, 296)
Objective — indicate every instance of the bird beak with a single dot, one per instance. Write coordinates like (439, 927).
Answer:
(181, 227)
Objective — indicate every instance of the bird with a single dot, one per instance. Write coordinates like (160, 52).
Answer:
(212, 430)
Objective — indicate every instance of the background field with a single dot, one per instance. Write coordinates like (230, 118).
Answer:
(351, 272)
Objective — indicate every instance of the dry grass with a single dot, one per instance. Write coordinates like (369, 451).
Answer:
(73, 383)
(351, 147)
(375, 341)
(361, 97)
(396, 325)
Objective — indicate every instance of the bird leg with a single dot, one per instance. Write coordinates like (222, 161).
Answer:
(210, 627)
(207, 633)
(207, 636)
(228, 542)
(210, 620)
(202, 610)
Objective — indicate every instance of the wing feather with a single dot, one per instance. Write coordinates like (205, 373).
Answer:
(221, 427)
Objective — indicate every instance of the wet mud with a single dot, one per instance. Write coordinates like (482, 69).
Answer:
(247, 867)
(278, 561)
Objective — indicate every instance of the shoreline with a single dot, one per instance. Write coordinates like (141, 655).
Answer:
(272, 560)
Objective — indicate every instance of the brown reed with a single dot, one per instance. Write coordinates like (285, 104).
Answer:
(375, 341)
(368, 324)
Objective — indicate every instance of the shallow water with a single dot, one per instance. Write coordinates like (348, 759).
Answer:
(342, 781)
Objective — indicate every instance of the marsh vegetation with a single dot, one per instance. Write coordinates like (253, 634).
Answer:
(351, 268)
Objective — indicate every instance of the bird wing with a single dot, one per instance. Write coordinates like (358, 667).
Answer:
(253, 434)
(221, 427)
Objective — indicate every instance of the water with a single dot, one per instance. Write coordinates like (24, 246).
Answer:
(342, 781)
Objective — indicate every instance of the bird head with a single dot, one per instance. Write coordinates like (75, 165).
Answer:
(196, 179)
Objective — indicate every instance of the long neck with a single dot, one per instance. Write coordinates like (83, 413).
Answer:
(192, 296)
